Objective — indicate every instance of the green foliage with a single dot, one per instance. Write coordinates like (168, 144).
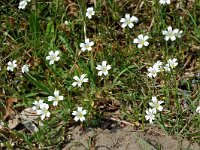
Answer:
(29, 35)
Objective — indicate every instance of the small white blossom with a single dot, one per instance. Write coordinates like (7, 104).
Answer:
(90, 12)
(11, 65)
(25, 68)
(87, 45)
(170, 34)
(156, 104)
(56, 98)
(1, 125)
(79, 114)
(103, 69)
(153, 71)
(37, 104)
(79, 81)
(150, 115)
(53, 56)
(158, 64)
(22, 4)
(128, 21)
(141, 40)
(43, 111)
(172, 63)
(198, 109)
(167, 68)
(164, 2)
(66, 23)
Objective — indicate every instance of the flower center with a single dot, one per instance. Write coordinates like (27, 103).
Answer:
(142, 42)
(104, 69)
(90, 12)
(54, 57)
(128, 21)
(170, 34)
(45, 111)
(57, 98)
(80, 114)
(87, 46)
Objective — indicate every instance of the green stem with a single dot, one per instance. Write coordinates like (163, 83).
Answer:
(162, 122)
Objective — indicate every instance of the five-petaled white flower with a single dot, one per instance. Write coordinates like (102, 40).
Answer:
(53, 56)
(37, 104)
(79, 114)
(170, 34)
(79, 81)
(156, 104)
(22, 4)
(43, 111)
(167, 68)
(25, 68)
(150, 115)
(87, 45)
(164, 2)
(11, 65)
(128, 21)
(153, 71)
(55, 98)
(141, 40)
(198, 109)
(172, 63)
(103, 68)
(158, 64)
(90, 12)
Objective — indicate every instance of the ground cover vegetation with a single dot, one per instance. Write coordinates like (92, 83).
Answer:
(67, 63)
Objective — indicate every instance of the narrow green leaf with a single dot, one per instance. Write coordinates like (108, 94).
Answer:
(38, 84)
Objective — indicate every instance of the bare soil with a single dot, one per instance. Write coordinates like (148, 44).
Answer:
(125, 138)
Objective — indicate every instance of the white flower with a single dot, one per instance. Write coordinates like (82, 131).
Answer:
(164, 2)
(87, 45)
(55, 98)
(79, 81)
(153, 71)
(198, 109)
(11, 65)
(141, 40)
(156, 104)
(90, 12)
(150, 115)
(172, 63)
(1, 124)
(66, 23)
(167, 68)
(158, 64)
(22, 4)
(79, 114)
(43, 111)
(169, 34)
(128, 21)
(53, 56)
(37, 104)
(25, 68)
(103, 68)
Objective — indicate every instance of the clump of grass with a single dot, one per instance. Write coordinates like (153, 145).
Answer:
(117, 72)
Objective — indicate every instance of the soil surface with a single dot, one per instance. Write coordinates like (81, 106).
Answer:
(125, 138)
